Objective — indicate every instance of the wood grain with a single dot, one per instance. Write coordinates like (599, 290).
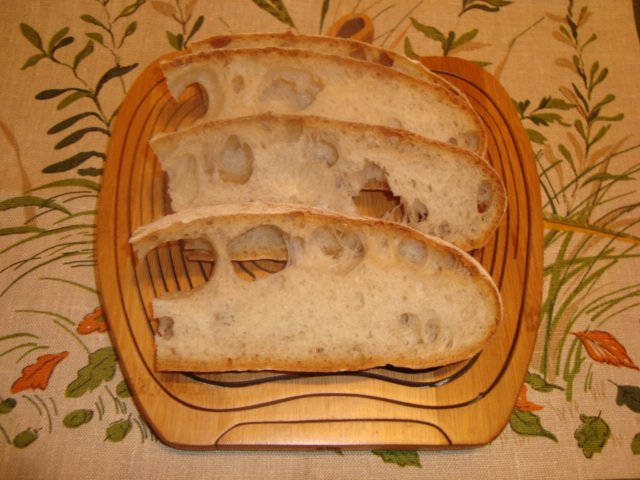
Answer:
(455, 406)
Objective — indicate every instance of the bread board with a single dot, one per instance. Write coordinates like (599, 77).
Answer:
(461, 405)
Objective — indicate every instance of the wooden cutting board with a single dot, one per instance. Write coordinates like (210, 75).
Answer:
(466, 404)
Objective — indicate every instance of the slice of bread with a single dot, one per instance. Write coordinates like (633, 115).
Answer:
(249, 81)
(355, 293)
(343, 47)
(444, 191)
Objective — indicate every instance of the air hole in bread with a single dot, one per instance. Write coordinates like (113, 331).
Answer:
(293, 129)
(358, 53)
(322, 151)
(373, 174)
(377, 201)
(237, 83)
(235, 162)
(413, 251)
(445, 261)
(259, 252)
(431, 326)
(426, 328)
(375, 198)
(444, 229)
(192, 105)
(485, 196)
(291, 88)
(472, 140)
(336, 248)
(200, 258)
(385, 59)
(394, 122)
(165, 327)
(181, 265)
(418, 212)
(184, 186)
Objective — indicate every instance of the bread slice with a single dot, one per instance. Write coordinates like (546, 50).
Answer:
(343, 47)
(355, 293)
(249, 81)
(443, 190)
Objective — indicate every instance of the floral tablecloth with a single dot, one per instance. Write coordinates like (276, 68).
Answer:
(572, 70)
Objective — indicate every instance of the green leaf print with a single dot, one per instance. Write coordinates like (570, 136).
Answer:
(122, 390)
(31, 201)
(94, 21)
(323, 14)
(464, 38)
(408, 49)
(56, 92)
(635, 444)
(485, 5)
(7, 405)
(101, 368)
(130, 9)
(539, 384)
(25, 438)
(535, 136)
(428, 31)
(402, 458)
(528, 423)
(276, 8)
(115, 72)
(629, 395)
(72, 162)
(77, 418)
(96, 37)
(33, 60)
(130, 30)
(82, 54)
(182, 15)
(175, 40)
(32, 36)
(196, 27)
(117, 431)
(68, 122)
(59, 40)
(77, 136)
(592, 435)
(72, 98)
(448, 42)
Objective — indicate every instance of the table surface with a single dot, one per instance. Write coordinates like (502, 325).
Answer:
(571, 69)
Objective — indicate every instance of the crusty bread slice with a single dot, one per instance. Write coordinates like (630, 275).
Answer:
(249, 81)
(344, 47)
(356, 293)
(445, 191)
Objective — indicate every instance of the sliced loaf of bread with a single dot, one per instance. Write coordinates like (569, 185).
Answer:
(249, 81)
(355, 293)
(442, 190)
